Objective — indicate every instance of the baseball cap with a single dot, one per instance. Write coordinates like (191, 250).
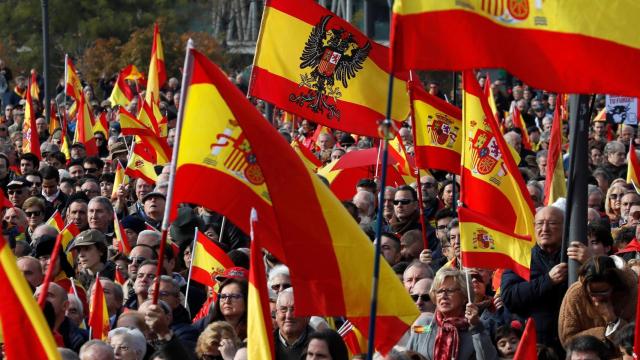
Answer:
(18, 181)
(235, 272)
(153, 194)
(89, 237)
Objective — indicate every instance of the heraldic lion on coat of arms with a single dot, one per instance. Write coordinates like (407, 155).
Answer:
(331, 55)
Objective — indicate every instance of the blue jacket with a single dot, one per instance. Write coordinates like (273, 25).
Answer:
(539, 298)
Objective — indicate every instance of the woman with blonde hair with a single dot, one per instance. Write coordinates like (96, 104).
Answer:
(612, 203)
(454, 331)
(218, 341)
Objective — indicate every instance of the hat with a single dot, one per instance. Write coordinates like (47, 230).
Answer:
(18, 181)
(89, 237)
(153, 194)
(48, 147)
(118, 148)
(183, 227)
(78, 144)
(134, 223)
(232, 273)
(44, 245)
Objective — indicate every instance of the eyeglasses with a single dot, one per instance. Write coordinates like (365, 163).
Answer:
(447, 292)
(280, 287)
(230, 297)
(137, 259)
(402, 202)
(90, 170)
(422, 297)
(33, 213)
(615, 196)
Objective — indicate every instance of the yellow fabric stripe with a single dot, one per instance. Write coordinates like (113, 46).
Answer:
(258, 347)
(205, 261)
(282, 43)
(558, 187)
(564, 16)
(30, 307)
(328, 173)
(354, 254)
(205, 102)
(425, 116)
(500, 243)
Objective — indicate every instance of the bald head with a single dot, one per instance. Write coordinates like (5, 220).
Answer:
(44, 229)
(32, 270)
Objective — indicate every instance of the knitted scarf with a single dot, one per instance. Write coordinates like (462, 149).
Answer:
(447, 341)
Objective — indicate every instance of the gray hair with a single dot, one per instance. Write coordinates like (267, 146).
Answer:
(593, 189)
(136, 339)
(68, 354)
(453, 224)
(106, 203)
(106, 348)
(541, 154)
(152, 233)
(537, 186)
(74, 299)
(445, 273)
(612, 147)
(278, 270)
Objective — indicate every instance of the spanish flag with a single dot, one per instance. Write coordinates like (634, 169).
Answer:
(488, 92)
(118, 232)
(555, 185)
(157, 72)
(519, 123)
(72, 84)
(130, 125)
(353, 338)
(437, 131)
(120, 179)
(30, 139)
(147, 116)
(56, 221)
(98, 314)
(84, 127)
(121, 94)
(139, 167)
(34, 89)
(207, 260)
(131, 72)
(54, 122)
(231, 148)
(314, 64)
(633, 169)
(101, 124)
(559, 46)
(259, 326)
(308, 158)
(491, 180)
(528, 345)
(24, 328)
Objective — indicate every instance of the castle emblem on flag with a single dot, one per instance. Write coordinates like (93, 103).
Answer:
(442, 130)
(485, 152)
(482, 240)
(330, 54)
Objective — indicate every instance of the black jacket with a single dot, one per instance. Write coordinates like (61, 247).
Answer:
(73, 336)
(538, 298)
(182, 328)
(294, 351)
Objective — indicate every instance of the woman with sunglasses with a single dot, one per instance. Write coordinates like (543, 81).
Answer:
(34, 210)
(455, 322)
(613, 203)
(600, 303)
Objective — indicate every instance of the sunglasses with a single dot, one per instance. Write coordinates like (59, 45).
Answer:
(33, 213)
(402, 202)
(422, 297)
(280, 287)
(441, 227)
(615, 196)
(136, 259)
(90, 170)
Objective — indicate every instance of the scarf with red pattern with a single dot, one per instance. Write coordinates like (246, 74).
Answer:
(448, 341)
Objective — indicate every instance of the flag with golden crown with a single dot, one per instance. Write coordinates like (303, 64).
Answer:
(207, 260)
(231, 148)
(259, 324)
(437, 129)
(312, 63)
(98, 313)
(30, 138)
(570, 40)
(555, 185)
(491, 180)
(24, 328)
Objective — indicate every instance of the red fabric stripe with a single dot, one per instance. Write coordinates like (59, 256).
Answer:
(275, 89)
(385, 325)
(202, 276)
(555, 151)
(257, 279)
(488, 260)
(467, 215)
(343, 185)
(294, 198)
(432, 157)
(96, 322)
(486, 191)
(214, 251)
(311, 13)
(137, 174)
(565, 63)
(190, 179)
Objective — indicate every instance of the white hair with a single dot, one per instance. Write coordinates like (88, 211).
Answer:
(276, 271)
(135, 338)
(152, 233)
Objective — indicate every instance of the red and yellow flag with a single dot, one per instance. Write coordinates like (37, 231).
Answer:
(123, 242)
(437, 129)
(231, 148)
(101, 124)
(528, 346)
(72, 84)
(139, 167)
(120, 179)
(54, 121)
(147, 116)
(130, 125)
(491, 180)
(84, 128)
(98, 314)
(259, 325)
(207, 259)
(30, 138)
(353, 338)
(121, 94)
(24, 328)
(633, 169)
(56, 221)
(34, 89)
(519, 123)
(309, 159)
(131, 72)
(157, 72)
(570, 40)
(314, 64)
(555, 185)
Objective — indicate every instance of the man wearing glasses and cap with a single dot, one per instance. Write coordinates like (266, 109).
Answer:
(18, 191)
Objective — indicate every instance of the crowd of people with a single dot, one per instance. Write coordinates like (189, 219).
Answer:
(465, 313)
